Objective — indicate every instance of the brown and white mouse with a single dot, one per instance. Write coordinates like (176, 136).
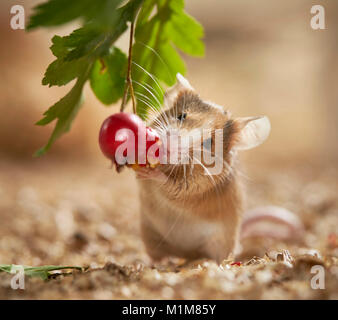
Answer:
(189, 213)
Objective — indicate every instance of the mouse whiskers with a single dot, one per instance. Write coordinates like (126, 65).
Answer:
(152, 76)
(149, 91)
(159, 57)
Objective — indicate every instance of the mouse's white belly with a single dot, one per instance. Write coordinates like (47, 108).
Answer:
(186, 232)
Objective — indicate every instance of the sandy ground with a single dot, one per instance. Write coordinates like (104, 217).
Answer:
(84, 214)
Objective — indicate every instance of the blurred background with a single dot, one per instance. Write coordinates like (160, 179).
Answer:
(262, 58)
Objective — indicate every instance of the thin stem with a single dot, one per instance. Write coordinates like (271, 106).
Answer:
(129, 83)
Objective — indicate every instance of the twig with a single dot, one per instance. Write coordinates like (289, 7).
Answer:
(129, 83)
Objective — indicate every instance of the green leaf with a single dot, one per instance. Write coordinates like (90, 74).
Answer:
(85, 41)
(73, 53)
(154, 52)
(108, 75)
(61, 72)
(173, 61)
(58, 12)
(146, 9)
(64, 111)
(43, 272)
(186, 33)
(146, 73)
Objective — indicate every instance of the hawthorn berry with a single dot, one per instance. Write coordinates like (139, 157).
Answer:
(130, 130)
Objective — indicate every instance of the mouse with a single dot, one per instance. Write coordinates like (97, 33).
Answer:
(187, 212)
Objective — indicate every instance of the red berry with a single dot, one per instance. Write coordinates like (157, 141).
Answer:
(128, 129)
(236, 263)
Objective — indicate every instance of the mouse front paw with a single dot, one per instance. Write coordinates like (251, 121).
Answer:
(144, 173)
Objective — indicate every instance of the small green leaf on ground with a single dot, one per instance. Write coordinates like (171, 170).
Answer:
(42, 272)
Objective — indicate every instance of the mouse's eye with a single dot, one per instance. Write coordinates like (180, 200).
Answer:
(181, 116)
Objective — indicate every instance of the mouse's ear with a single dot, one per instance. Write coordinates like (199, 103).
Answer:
(252, 132)
(183, 83)
(172, 92)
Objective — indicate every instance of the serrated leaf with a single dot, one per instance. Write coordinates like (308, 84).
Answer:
(108, 75)
(73, 54)
(74, 51)
(186, 34)
(60, 72)
(64, 111)
(84, 41)
(58, 12)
